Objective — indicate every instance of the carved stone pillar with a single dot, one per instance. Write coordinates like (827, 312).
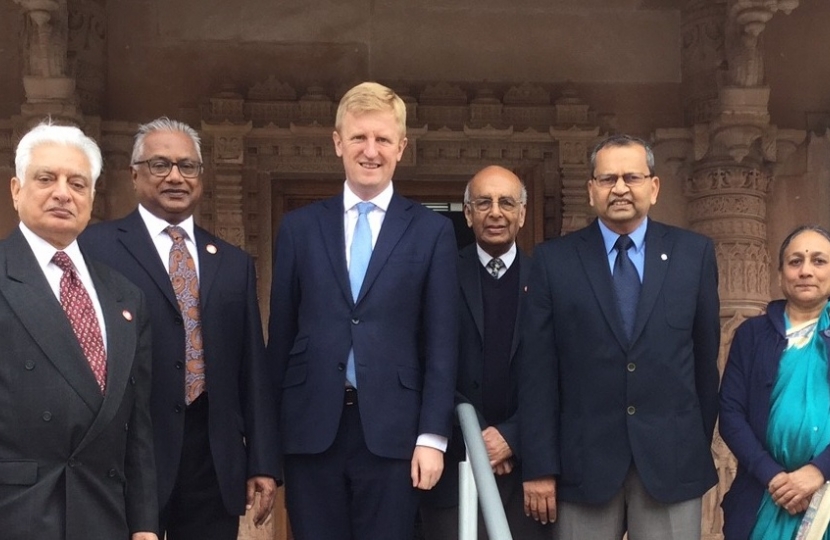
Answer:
(50, 90)
(226, 205)
(730, 172)
(575, 136)
(87, 52)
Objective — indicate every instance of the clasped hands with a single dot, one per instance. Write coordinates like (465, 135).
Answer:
(793, 491)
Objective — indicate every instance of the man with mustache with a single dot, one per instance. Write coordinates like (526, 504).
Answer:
(618, 374)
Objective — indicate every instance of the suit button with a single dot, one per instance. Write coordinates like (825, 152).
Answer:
(476, 385)
(178, 408)
(30, 365)
(178, 320)
(631, 366)
(341, 366)
(355, 321)
(631, 410)
(111, 473)
(126, 427)
(72, 462)
(179, 365)
(46, 416)
(132, 380)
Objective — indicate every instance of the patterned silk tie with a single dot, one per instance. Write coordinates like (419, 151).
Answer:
(186, 286)
(360, 253)
(79, 310)
(626, 284)
(494, 266)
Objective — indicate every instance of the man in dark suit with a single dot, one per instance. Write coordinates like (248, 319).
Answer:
(212, 402)
(619, 377)
(493, 275)
(363, 336)
(76, 450)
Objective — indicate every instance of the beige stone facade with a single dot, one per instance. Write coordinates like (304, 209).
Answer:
(735, 95)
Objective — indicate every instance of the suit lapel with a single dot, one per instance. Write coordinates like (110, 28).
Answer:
(121, 343)
(524, 276)
(594, 260)
(29, 295)
(470, 279)
(210, 258)
(395, 224)
(658, 253)
(334, 238)
(134, 237)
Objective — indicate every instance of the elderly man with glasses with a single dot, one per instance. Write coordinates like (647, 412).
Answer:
(212, 402)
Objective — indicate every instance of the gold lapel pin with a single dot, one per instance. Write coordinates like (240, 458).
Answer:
(127, 315)
(211, 249)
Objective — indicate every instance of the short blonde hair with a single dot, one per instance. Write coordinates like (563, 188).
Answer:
(371, 97)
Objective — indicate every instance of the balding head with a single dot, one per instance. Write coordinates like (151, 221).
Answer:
(494, 205)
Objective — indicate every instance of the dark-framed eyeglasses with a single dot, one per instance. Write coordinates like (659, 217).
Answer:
(506, 204)
(162, 167)
(630, 179)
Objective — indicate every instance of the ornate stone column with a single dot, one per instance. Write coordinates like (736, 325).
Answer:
(227, 142)
(729, 171)
(575, 136)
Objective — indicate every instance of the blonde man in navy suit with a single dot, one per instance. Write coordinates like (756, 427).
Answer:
(76, 447)
(363, 337)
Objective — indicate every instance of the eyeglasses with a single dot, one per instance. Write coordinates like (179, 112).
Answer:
(630, 179)
(162, 167)
(506, 204)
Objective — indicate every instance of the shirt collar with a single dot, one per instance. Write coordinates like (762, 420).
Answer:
(507, 258)
(44, 251)
(381, 200)
(638, 236)
(155, 225)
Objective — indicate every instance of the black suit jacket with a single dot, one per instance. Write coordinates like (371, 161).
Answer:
(241, 420)
(591, 403)
(403, 328)
(74, 464)
(471, 370)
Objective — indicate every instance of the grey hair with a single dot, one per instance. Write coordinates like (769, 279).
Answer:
(790, 237)
(48, 133)
(163, 124)
(622, 140)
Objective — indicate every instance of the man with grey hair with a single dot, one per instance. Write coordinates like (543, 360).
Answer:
(618, 371)
(213, 409)
(76, 451)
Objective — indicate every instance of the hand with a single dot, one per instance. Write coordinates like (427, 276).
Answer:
(427, 466)
(505, 467)
(497, 448)
(144, 536)
(793, 490)
(540, 499)
(267, 489)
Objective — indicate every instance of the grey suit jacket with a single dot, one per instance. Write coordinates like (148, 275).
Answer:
(74, 464)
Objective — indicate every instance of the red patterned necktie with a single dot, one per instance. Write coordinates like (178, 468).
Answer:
(186, 286)
(78, 307)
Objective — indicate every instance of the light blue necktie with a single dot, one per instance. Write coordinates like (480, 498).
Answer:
(360, 253)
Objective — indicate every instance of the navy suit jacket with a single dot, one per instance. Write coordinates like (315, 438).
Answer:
(241, 418)
(403, 328)
(74, 464)
(590, 403)
(471, 370)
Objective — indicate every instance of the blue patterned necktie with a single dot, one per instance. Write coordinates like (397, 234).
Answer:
(626, 284)
(360, 253)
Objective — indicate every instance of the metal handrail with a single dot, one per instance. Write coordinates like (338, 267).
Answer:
(483, 482)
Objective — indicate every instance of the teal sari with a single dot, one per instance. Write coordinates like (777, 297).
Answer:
(799, 418)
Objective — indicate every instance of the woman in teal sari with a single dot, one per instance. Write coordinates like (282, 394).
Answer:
(775, 398)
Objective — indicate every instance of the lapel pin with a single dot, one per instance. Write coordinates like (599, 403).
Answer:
(664, 257)
(127, 315)
(525, 288)
(211, 249)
